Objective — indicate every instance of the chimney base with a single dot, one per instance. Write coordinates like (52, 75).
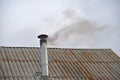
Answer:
(45, 78)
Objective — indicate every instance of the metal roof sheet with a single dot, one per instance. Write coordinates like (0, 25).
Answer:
(23, 63)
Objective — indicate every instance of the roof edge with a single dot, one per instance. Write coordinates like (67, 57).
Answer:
(55, 47)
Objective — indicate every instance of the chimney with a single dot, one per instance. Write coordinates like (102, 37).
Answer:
(44, 56)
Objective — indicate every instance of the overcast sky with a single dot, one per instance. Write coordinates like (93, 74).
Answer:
(69, 23)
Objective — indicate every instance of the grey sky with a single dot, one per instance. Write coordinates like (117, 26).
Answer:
(23, 20)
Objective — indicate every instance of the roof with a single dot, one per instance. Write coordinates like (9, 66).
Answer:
(22, 63)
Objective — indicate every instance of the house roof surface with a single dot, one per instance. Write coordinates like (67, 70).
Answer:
(23, 63)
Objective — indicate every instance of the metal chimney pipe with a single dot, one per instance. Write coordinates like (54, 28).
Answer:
(44, 56)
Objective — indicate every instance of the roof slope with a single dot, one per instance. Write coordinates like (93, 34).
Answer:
(22, 63)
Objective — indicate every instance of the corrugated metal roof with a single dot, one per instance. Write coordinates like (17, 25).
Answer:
(22, 63)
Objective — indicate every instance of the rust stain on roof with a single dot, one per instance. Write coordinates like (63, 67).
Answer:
(21, 63)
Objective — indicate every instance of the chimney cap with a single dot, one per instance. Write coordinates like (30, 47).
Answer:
(42, 36)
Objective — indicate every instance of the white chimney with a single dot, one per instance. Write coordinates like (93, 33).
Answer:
(44, 56)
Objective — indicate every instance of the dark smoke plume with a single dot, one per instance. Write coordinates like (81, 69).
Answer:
(78, 27)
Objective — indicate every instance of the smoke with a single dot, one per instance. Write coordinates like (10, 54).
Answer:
(78, 27)
(83, 33)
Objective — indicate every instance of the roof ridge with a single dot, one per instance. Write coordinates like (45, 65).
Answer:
(57, 48)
